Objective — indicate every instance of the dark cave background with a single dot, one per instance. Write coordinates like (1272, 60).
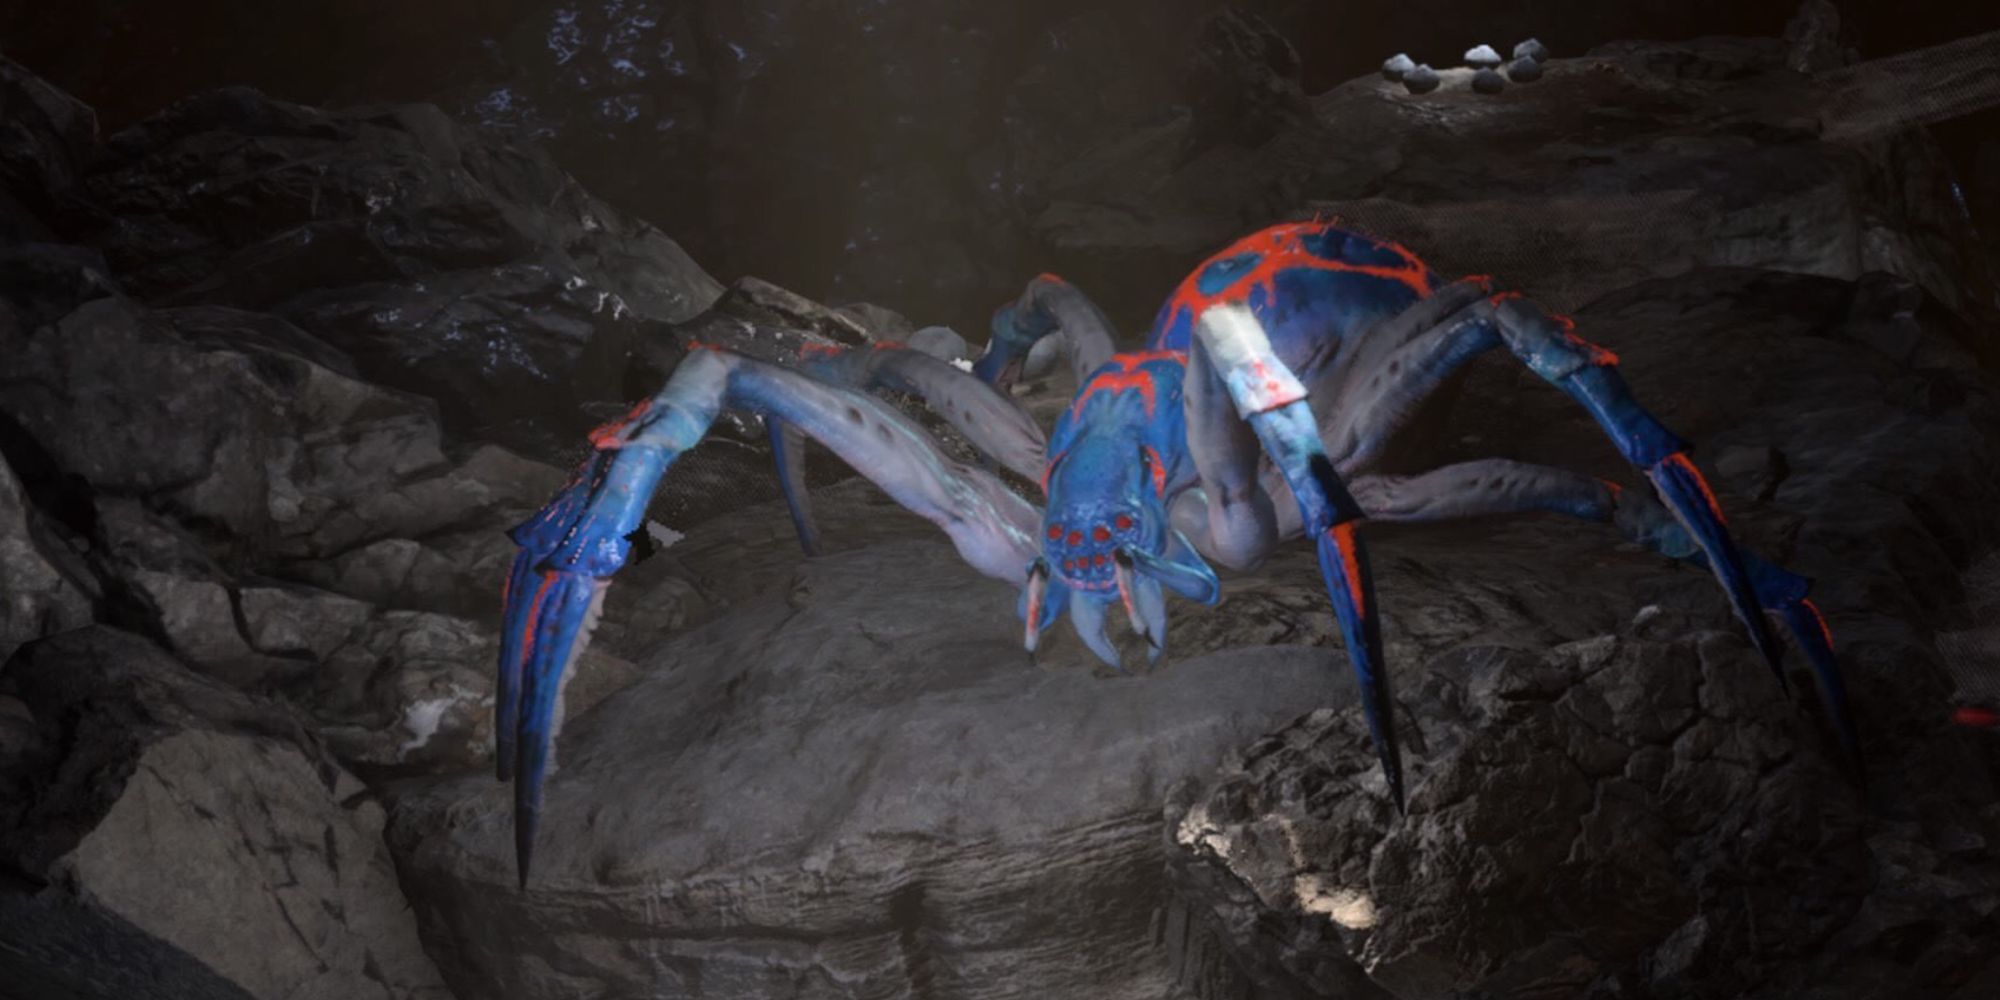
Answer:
(887, 151)
(301, 308)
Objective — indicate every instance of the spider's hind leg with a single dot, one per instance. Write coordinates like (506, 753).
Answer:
(1498, 486)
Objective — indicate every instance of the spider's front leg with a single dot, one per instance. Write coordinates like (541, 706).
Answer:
(987, 418)
(1241, 399)
(571, 548)
(1049, 306)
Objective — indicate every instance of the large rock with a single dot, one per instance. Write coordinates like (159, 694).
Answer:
(44, 587)
(44, 135)
(278, 524)
(851, 782)
(1625, 803)
(439, 258)
(1241, 82)
(170, 837)
(1637, 161)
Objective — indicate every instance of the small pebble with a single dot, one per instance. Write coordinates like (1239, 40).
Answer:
(1421, 80)
(1487, 81)
(1396, 66)
(1532, 49)
(1482, 57)
(1524, 70)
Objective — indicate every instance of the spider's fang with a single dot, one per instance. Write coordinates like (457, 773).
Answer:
(1129, 594)
(1038, 592)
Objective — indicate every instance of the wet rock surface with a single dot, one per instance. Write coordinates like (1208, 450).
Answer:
(171, 837)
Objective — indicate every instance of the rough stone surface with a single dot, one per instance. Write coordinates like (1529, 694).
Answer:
(171, 837)
(853, 776)
(44, 587)
(1624, 805)
(1242, 81)
(437, 257)
(44, 134)
(1637, 161)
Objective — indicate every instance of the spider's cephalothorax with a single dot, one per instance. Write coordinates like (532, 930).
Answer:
(1273, 378)
(1115, 463)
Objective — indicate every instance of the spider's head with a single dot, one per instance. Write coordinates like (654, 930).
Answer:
(1106, 542)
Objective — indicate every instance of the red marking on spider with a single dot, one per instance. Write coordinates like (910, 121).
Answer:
(1053, 279)
(1159, 470)
(534, 618)
(890, 345)
(1350, 564)
(1049, 469)
(1099, 559)
(1075, 538)
(1825, 634)
(1131, 374)
(1055, 532)
(1680, 461)
(813, 348)
(1282, 248)
(606, 437)
(1124, 522)
(1976, 716)
(1101, 533)
(1599, 356)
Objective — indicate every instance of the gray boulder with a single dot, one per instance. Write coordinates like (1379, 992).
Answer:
(438, 258)
(1524, 70)
(45, 135)
(1421, 79)
(1488, 81)
(44, 586)
(1605, 803)
(169, 837)
(854, 776)
(1675, 181)
(1242, 81)
(1532, 50)
(1397, 66)
(1482, 57)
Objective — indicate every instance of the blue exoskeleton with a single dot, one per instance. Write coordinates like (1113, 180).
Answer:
(1266, 391)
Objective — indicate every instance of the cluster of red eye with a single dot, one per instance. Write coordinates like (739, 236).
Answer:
(1101, 533)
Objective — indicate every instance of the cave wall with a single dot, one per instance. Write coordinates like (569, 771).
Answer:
(889, 152)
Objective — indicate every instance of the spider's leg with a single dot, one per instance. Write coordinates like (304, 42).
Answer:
(788, 453)
(1589, 375)
(1049, 305)
(994, 423)
(988, 418)
(570, 549)
(1232, 359)
(1498, 486)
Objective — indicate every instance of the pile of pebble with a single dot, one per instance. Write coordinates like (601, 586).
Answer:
(1419, 78)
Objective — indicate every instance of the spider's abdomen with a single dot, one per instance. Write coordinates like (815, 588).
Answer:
(1305, 281)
